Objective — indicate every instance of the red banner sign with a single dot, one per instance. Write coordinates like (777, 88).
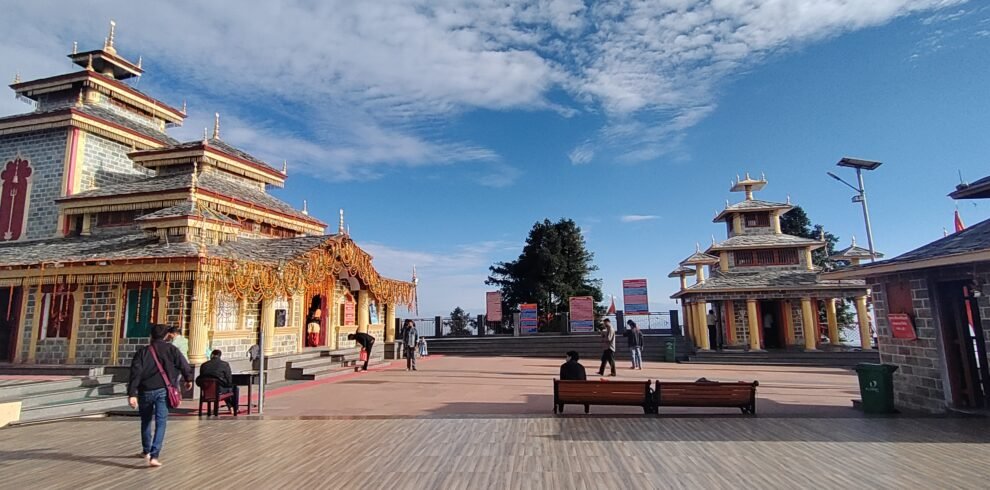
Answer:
(349, 314)
(493, 303)
(901, 326)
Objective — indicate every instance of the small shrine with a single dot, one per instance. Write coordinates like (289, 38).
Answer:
(111, 225)
(762, 285)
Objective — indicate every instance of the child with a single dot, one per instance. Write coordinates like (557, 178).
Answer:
(422, 347)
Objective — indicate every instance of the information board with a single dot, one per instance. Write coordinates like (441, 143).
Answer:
(582, 314)
(634, 298)
(528, 319)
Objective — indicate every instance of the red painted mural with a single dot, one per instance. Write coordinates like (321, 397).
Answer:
(15, 177)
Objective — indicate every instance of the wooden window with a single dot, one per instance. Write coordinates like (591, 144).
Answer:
(56, 315)
(770, 256)
(226, 312)
(119, 218)
(757, 220)
(140, 312)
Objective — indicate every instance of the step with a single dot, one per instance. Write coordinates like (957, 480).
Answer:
(57, 396)
(21, 390)
(73, 408)
(50, 370)
(331, 372)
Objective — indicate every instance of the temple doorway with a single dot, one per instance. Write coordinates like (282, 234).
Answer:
(316, 321)
(10, 300)
(964, 345)
(771, 325)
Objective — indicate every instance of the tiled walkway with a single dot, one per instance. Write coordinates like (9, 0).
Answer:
(486, 423)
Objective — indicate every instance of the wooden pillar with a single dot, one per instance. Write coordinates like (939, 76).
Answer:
(39, 313)
(268, 324)
(22, 321)
(833, 325)
(76, 319)
(120, 305)
(363, 317)
(754, 325)
(390, 322)
(790, 334)
(298, 319)
(197, 325)
(863, 315)
(810, 325)
(703, 323)
(729, 320)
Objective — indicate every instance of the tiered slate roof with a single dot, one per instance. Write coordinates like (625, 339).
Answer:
(764, 241)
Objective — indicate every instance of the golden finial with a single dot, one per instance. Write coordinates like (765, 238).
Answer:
(737, 179)
(305, 209)
(285, 168)
(195, 177)
(945, 232)
(726, 203)
(80, 99)
(747, 175)
(17, 77)
(340, 228)
(89, 63)
(697, 247)
(788, 199)
(139, 61)
(204, 135)
(183, 107)
(108, 44)
(854, 240)
(763, 176)
(821, 234)
(713, 240)
(216, 125)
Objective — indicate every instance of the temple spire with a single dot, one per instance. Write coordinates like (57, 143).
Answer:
(305, 209)
(17, 77)
(108, 44)
(216, 125)
(340, 227)
(285, 167)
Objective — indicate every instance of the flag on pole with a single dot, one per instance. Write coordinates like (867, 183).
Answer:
(611, 308)
(959, 223)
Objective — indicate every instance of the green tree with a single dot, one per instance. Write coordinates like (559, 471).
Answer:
(796, 222)
(460, 322)
(553, 266)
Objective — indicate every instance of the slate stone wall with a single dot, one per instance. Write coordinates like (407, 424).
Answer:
(45, 150)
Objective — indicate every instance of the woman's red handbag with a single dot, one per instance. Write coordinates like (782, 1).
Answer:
(363, 356)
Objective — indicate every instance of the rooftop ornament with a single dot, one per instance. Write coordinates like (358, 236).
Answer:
(216, 125)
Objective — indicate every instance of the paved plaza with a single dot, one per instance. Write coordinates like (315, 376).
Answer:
(485, 423)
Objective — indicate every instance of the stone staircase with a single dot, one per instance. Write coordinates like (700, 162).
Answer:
(77, 396)
(845, 359)
(323, 364)
(552, 346)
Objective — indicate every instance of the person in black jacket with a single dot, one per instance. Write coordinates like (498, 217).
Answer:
(146, 388)
(635, 340)
(219, 370)
(366, 342)
(572, 369)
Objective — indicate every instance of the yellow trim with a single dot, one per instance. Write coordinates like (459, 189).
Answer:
(66, 159)
(22, 315)
(118, 324)
(39, 297)
(705, 339)
(80, 161)
(222, 161)
(233, 334)
(197, 330)
(77, 299)
(267, 324)
(723, 261)
(223, 205)
(789, 330)
(833, 325)
(286, 331)
(863, 317)
(162, 311)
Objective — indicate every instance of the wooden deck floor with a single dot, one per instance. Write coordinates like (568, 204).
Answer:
(506, 452)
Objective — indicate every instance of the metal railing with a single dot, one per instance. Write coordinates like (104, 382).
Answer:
(438, 326)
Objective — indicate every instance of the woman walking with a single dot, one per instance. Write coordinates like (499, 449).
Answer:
(635, 336)
(608, 348)
(152, 369)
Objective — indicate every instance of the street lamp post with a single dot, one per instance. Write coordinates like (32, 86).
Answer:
(860, 196)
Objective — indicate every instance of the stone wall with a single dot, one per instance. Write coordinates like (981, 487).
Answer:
(797, 317)
(45, 151)
(28, 323)
(105, 162)
(52, 351)
(919, 381)
(95, 334)
(285, 343)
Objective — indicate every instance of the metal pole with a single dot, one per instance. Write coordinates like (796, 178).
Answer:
(866, 214)
(261, 371)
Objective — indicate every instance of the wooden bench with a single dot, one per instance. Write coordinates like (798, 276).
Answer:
(741, 395)
(587, 393)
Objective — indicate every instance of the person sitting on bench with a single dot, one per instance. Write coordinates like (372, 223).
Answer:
(218, 369)
(572, 369)
(366, 342)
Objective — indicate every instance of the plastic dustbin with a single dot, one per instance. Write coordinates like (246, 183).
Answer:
(876, 387)
(670, 352)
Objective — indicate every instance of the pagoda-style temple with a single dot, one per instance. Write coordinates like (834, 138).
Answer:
(762, 284)
(110, 225)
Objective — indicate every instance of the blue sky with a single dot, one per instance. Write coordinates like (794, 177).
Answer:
(446, 129)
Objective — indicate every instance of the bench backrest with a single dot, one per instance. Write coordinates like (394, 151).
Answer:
(709, 394)
(591, 392)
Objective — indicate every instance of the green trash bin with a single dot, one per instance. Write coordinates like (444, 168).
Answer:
(670, 352)
(876, 387)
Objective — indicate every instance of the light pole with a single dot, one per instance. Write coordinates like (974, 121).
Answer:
(860, 196)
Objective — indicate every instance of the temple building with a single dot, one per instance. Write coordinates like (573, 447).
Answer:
(933, 316)
(762, 285)
(110, 225)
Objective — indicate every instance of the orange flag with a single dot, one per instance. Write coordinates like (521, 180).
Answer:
(611, 308)
(959, 224)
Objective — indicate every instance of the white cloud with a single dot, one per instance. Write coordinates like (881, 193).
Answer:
(369, 86)
(635, 218)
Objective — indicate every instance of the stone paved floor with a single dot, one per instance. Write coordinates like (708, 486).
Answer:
(485, 423)
(506, 453)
